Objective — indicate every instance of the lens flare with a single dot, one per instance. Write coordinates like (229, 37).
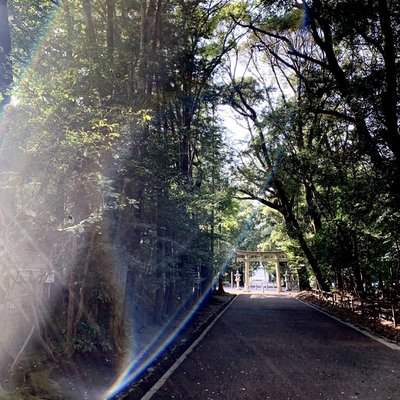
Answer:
(155, 349)
(25, 281)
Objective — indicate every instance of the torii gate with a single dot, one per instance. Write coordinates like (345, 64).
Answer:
(276, 256)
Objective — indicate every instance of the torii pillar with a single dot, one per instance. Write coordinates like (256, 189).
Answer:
(278, 275)
(246, 256)
(247, 273)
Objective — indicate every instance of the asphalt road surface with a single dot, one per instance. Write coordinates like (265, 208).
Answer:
(275, 347)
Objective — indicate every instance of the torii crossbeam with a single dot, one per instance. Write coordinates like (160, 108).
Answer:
(246, 256)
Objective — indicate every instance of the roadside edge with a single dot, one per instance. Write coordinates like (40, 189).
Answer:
(182, 358)
(365, 332)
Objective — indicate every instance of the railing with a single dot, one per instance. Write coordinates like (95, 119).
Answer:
(370, 306)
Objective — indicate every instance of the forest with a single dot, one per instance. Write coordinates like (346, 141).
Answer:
(143, 141)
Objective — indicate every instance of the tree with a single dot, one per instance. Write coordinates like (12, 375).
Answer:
(6, 75)
(337, 141)
(280, 190)
(113, 161)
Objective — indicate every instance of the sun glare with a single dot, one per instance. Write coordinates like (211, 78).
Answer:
(15, 100)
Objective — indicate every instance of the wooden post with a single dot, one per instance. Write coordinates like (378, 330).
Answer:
(394, 315)
(362, 306)
(278, 276)
(247, 273)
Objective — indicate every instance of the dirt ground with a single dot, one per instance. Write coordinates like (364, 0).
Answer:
(383, 329)
(37, 379)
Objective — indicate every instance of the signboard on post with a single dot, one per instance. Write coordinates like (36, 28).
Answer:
(50, 278)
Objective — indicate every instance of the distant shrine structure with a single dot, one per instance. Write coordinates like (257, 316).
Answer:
(247, 257)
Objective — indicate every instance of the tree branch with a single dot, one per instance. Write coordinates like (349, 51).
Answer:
(282, 38)
(262, 200)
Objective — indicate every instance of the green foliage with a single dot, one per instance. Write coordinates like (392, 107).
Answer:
(91, 339)
(292, 20)
(116, 160)
(333, 187)
(116, 166)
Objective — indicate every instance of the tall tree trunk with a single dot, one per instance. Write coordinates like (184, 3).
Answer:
(390, 94)
(71, 300)
(293, 223)
(70, 27)
(356, 265)
(90, 31)
(161, 275)
(143, 63)
(82, 304)
(110, 5)
(309, 254)
(313, 211)
(344, 86)
(6, 76)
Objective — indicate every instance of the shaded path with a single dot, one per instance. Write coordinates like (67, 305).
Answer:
(275, 347)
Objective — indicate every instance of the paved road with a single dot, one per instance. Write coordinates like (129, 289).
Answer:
(275, 347)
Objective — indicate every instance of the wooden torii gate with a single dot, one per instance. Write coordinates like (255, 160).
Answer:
(246, 256)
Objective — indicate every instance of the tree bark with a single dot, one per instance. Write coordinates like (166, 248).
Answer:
(110, 5)
(82, 306)
(293, 223)
(6, 75)
(90, 31)
(390, 94)
(307, 252)
(70, 27)
(71, 301)
(143, 63)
